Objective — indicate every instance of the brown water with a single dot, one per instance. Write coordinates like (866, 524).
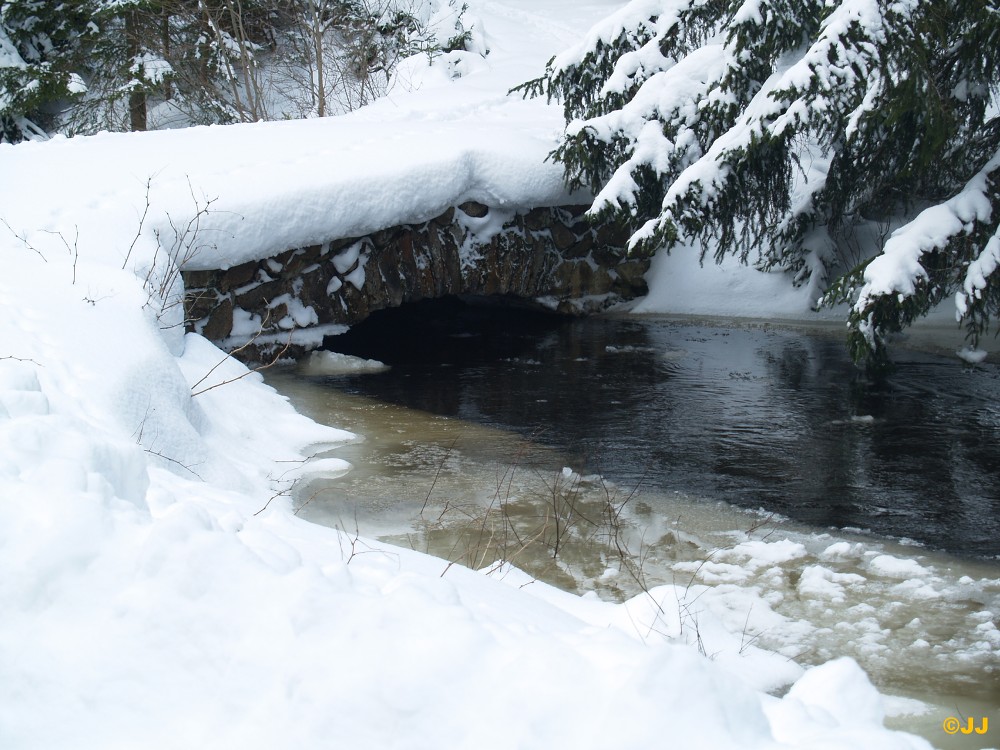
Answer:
(704, 438)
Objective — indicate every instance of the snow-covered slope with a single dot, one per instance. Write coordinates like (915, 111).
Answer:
(274, 186)
(448, 133)
(157, 591)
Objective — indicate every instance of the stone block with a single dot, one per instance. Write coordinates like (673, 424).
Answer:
(335, 246)
(260, 296)
(608, 255)
(200, 303)
(582, 247)
(632, 277)
(445, 219)
(609, 233)
(238, 276)
(200, 279)
(295, 262)
(537, 219)
(474, 209)
(562, 237)
(220, 322)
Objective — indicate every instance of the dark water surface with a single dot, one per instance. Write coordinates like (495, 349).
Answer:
(757, 415)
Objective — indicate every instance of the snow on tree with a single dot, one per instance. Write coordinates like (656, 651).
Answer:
(40, 43)
(145, 63)
(782, 130)
(199, 58)
(339, 54)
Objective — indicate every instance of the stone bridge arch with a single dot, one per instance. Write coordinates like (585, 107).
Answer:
(551, 257)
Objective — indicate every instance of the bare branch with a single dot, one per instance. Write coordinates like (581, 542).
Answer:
(173, 461)
(74, 251)
(142, 221)
(258, 368)
(23, 238)
(437, 475)
(237, 350)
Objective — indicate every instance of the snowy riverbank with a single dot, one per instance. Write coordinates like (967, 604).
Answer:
(159, 593)
(164, 596)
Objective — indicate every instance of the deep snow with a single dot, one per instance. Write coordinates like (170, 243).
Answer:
(158, 591)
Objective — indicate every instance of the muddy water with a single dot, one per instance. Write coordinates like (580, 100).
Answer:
(682, 444)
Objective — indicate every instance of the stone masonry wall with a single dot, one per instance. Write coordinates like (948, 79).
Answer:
(288, 303)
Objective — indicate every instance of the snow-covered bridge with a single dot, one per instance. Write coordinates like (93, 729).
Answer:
(299, 226)
(550, 256)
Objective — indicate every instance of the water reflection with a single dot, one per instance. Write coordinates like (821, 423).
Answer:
(464, 440)
(756, 416)
(922, 624)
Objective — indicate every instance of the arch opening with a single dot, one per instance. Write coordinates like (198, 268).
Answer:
(448, 330)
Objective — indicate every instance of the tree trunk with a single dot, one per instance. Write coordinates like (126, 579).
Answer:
(136, 96)
(168, 91)
(318, 49)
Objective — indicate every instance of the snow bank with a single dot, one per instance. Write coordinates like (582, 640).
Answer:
(165, 596)
(443, 137)
(679, 283)
(159, 592)
(261, 200)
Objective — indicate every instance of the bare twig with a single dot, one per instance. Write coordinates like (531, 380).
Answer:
(258, 368)
(356, 542)
(163, 274)
(437, 474)
(139, 433)
(21, 359)
(312, 497)
(74, 251)
(760, 522)
(172, 460)
(23, 238)
(237, 350)
(745, 642)
(282, 493)
(142, 221)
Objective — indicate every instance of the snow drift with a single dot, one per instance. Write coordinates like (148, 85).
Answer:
(160, 593)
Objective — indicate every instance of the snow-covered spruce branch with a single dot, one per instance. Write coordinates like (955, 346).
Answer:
(777, 128)
(949, 248)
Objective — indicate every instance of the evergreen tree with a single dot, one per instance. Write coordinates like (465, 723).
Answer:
(41, 46)
(198, 56)
(91, 65)
(780, 129)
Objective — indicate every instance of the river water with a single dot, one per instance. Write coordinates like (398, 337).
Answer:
(614, 453)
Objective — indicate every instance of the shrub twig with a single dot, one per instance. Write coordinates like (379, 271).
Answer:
(274, 360)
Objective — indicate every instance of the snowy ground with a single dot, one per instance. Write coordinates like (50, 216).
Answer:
(158, 591)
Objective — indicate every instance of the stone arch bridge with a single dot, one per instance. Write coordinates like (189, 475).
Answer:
(551, 257)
